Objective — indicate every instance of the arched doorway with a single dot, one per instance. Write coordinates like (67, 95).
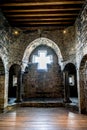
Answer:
(13, 83)
(44, 77)
(83, 84)
(70, 82)
(2, 84)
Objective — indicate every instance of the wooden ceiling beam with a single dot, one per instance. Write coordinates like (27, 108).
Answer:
(22, 1)
(40, 15)
(39, 10)
(43, 23)
(28, 13)
(42, 3)
(41, 7)
(43, 19)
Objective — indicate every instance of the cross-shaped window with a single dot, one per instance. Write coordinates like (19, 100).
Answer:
(42, 59)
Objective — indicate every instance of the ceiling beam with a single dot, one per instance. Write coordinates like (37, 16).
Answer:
(43, 3)
(43, 19)
(43, 23)
(40, 10)
(40, 15)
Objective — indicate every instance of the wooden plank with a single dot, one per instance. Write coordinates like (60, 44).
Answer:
(43, 19)
(51, 22)
(42, 119)
(42, 3)
(22, 1)
(40, 15)
(40, 10)
(41, 7)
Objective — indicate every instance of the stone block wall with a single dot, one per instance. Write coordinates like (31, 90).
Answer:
(81, 35)
(81, 57)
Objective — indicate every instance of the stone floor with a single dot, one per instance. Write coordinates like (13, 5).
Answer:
(28, 118)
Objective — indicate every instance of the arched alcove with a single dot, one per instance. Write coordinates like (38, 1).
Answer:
(2, 84)
(35, 44)
(71, 78)
(83, 84)
(13, 82)
(57, 90)
(44, 77)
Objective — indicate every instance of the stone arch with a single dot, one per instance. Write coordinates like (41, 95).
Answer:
(43, 83)
(70, 81)
(35, 44)
(83, 84)
(4, 56)
(13, 82)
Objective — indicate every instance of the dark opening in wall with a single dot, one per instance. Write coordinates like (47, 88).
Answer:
(13, 81)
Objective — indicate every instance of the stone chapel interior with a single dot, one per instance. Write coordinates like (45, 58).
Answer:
(43, 53)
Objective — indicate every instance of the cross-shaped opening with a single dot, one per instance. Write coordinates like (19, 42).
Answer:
(42, 59)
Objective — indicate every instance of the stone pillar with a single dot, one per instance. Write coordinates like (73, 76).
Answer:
(19, 87)
(66, 88)
(82, 93)
(79, 92)
(2, 89)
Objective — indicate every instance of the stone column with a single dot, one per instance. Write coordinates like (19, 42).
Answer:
(66, 88)
(19, 87)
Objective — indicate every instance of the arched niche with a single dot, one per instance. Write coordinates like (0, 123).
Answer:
(13, 82)
(83, 84)
(43, 82)
(70, 80)
(35, 44)
(2, 84)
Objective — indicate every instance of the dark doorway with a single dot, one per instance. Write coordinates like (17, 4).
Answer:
(70, 69)
(13, 82)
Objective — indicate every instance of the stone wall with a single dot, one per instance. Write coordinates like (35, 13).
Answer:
(81, 57)
(81, 38)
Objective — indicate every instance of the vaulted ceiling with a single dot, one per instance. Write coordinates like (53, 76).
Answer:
(36, 13)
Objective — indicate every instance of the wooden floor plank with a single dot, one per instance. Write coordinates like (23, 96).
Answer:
(42, 119)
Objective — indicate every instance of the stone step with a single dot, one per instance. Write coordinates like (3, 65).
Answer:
(42, 104)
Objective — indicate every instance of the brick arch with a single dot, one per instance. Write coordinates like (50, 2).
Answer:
(4, 56)
(83, 84)
(35, 44)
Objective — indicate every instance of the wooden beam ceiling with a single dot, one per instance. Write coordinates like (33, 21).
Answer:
(28, 13)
